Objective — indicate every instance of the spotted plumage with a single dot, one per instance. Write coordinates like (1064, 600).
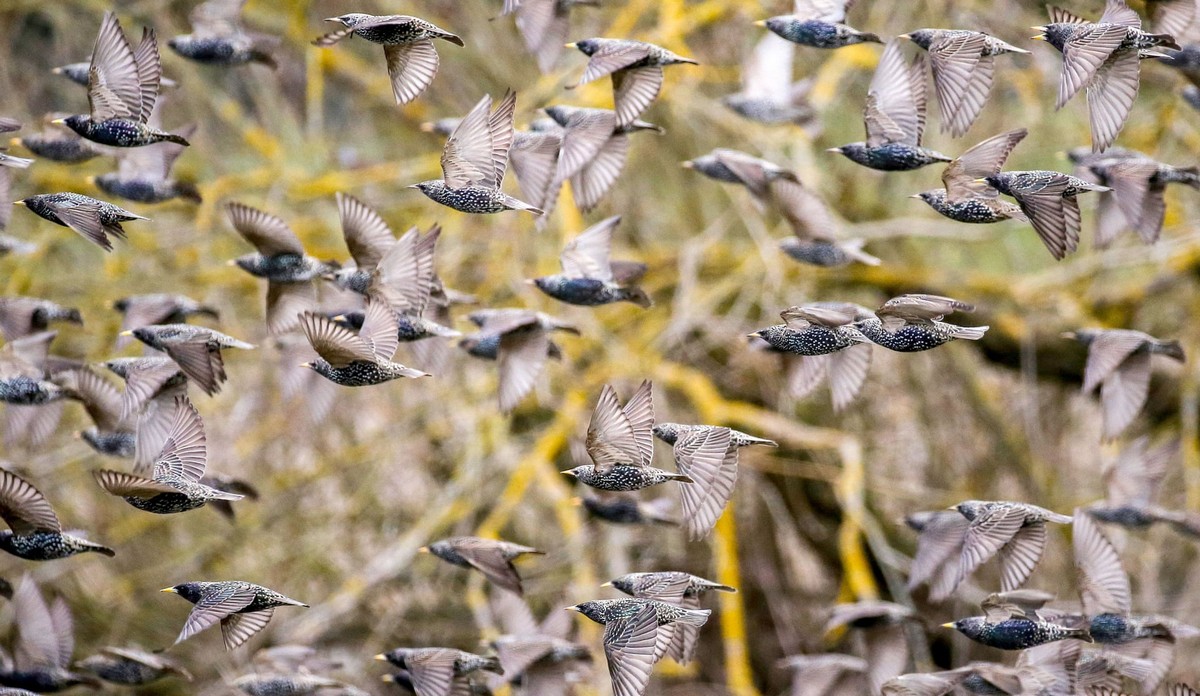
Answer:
(270, 684)
(112, 434)
(242, 608)
(1014, 633)
(815, 329)
(492, 557)
(357, 360)
(624, 478)
(45, 641)
(1138, 183)
(589, 277)
(218, 37)
(21, 316)
(912, 323)
(967, 199)
(94, 219)
(35, 533)
(132, 666)
(1018, 529)
(628, 509)
(636, 68)
(670, 432)
(819, 24)
(143, 174)
(196, 349)
(440, 671)
(58, 145)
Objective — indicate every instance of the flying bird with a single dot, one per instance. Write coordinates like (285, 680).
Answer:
(519, 341)
(94, 219)
(966, 198)
(41, 658)
(242, 608)
(819, 24)
(1015, 531)
(544, 25)
(492, 557)
(1138, 184)
(911, 323)
(440, 671)
(768, 94)
(35, 533)
(589, 276)
(196, 349)
(357, 360)
(636, 68)
(218, 37)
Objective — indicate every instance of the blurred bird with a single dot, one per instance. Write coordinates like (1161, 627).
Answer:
(92, 218)
(58, 143)
(819, 340)
(880, 626)
(45, 640)
(151, 387)
(618, 508)
(143, 175)
(636, 68)
(709, 459)
(242, 608)
(25, 372)
(534, 159)
(218, 37)
(1132, 484)
(22, 316)
(768, 95)
(1104, 56)
(1138, 184)
(357, 360)
(132, 666)
(123, 86)
(36, 534)
(407, 42)
(173, 485)
(439, 671)
(911, 323)
(1007, 628)
(620, 442)
(939, 551)
(291, 684)
(894, 117)
(519, 340)
(633, 641)
(594, 148)
(965, 197)
(819, 24)
(538, 656)
(111, 434)
(196, 349)
(670, 433)
(157, 308)
(1015, 531)
(825, 674)
(962, 62)
(492, 557)
(474, 160)
(589, 277)
(1118, 362)
(1048, 200)
(281, 259)
(544, 25)
(673, 587)
(9, 125)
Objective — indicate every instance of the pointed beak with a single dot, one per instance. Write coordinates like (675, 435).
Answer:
(412, 186)
(305, 364)
(126, 333)
(1068, 334)
(332, 19)
(688, 164)
(423, 549)
(380, 657)
(904, 36)
(530, 281)
(13, 142)
(91, 180)
(761, 23)
(20, 202)
(980, 181)
(231, 262)
(427, 127)
(56, 71)
(58, 121)
(172, 590)
(607, 584)
(915, 195)
(948, 625)
(571, 608)
(568, 472)
(756, 334)
(569, 45)
(576, 501)
(833, 149)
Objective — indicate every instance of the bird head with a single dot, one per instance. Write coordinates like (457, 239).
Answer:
(623, 583)
(574, 472)
(775, 24)
(191, 591)
(592, 610)
(668, 432)
(585, 46)
(396, 657)
(76, 123)
(930, 197)
(560, 114)
(428, 187)
(970, 509)
(921, 37)
(350, 19)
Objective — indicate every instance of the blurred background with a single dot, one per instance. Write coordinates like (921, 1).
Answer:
(347, 499)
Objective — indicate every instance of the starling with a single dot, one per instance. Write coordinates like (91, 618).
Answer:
(1015, 633)
(151, 387)
(196, 349)
(8, 125)
(407, 42)
(58, 143)
(1133, 482)
(673, 587)
(23, 316)
(670, 432)
(939, 551)
(284, 684)
(538, 656)
(534, 159)
(962, 62)
(1118, 362)
(173, 484)
(544, 25)
(1017, 531)
(967, 199)
(36, 533)
(439, 671)
(627, 509)
(132, 666)
(589, 277)
(78, 73)
(912, 323)
(894, 117)
(159, 308)
(1104, 57)
(243, 608)
(1138, 185)
(279, 258)
(474, 160)
(144, 175)
(94, 219)
(825, 674)
(218, 37)
(111, 434)
(492, 557)
(707, 457)
(123, 86)
(636, 68)
(23, 371)
(769, 96)
(45, 641)
(881, 627)
(1048, 200)
(357, 360)
(819, 24)
(518, 339)
(633, 641)
(594, 147)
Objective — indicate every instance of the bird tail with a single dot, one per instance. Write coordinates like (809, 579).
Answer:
(492, 664)
(517, 204)
(1172, 349)
(868, 36)
(100, 548)
(694, 617)
(225, 495)
(638, 296)
(1081, 633)
(264, 58)
(189, 192)
(854, 249)
(177, 139)
(1059, 519)
(682, 478)
(761, 441)
(969, 333)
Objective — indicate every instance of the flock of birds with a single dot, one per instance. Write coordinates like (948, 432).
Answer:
(399, 297)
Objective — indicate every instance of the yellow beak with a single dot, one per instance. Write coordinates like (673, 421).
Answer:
(58, 121)
(607, 584)
(423, 549)
(305, 364)
(948, 625)
(904, 36)
(761, 23)
(756, 334)
(570, 45)
(172, 590)
(568, 472)
(128, 333)
(381, 657)
(687, 165)
(1039, 37)
(21, 202)
(571, 608)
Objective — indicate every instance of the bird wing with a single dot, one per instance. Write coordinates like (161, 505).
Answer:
(665, 587)
(1173, 17)
(611, 440)
(629, 646)
(1051, 216)
(634, 90)
(1083, 55)
(518, 653)
(379, 330)
(544, 25)
(217, 18)
(153, 427)
(804, 210)
(887, 647)
(1103, 584)
(467, 156)
(38, 644)
(236, 629)
(803, 316)
(983, 159)
(1020, 556)
(598, 176)
(143, 384)
(114, 89)
(804, 373)
(586, 134)
(84, 218)
(639, 410)
(125, 485)
(24, 508)
(534, 159)
(587, 255)
(432, 672)
(1123, 393)
(922, 307)
(286, 302)
(826, 10)
(522, 356)
(1130, 182)
(145, 310)
(99, 397)
(488, 558)
(515, 617)
(269, 234)
(986, 535)
(26, 356)
(962, 77)
(367, 236)
(939, 543)
(1110, 96)
(405, 274)
(336, 344)
(184, 453)
(215, 605)
(895, 110)
(149, 74)
(611, 57)
(412, 67)
(1117, 12)
(767, 72)
(847, 373)
(64, 630)
(706, 457)
(1107, 354)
